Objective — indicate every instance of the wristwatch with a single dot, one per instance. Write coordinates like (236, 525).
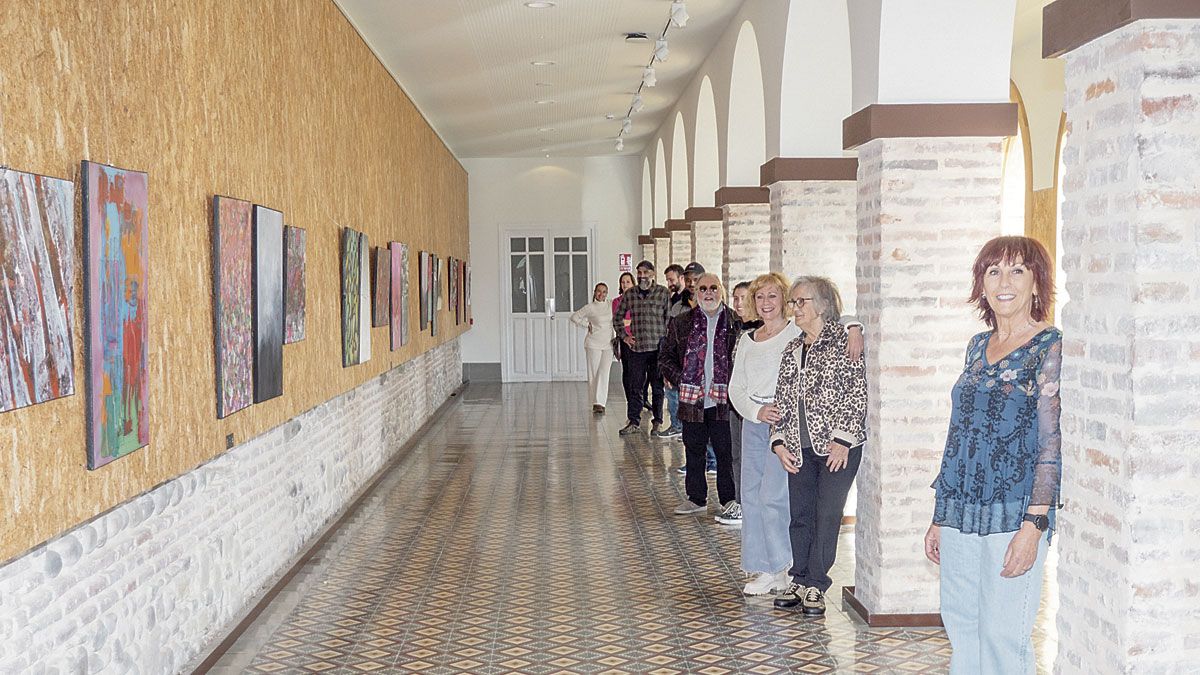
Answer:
(1041, 522)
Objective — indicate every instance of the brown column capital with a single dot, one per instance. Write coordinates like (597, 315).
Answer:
(1070, 24)
(703, 213)
(928, 120)
(645, 239)
(742, 195)
(808, 168)
(678, 225)
(659, 233)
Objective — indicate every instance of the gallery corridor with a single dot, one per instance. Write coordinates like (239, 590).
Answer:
(521, 534)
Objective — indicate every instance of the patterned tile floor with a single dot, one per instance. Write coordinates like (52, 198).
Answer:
(522, 535)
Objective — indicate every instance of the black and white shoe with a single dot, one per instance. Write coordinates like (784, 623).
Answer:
(813, 602)
(629, 428)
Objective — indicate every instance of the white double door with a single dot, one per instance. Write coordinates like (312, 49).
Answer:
(548, 276)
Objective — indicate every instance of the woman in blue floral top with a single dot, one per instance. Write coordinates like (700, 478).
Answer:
(997, 490)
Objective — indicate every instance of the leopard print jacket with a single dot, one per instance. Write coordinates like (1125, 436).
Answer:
(833, 388)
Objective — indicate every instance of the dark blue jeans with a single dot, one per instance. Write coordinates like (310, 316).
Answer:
(642, 366)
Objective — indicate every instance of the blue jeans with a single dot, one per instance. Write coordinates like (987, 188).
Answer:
(672, 396)
(765, 509)
(988, 618)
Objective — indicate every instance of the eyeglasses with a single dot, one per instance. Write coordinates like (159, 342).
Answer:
(798, 302)
(708, 289)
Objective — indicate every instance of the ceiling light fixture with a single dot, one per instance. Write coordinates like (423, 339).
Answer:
(541, 63)
(545, 101)
(679, 15)
(620, 144)
(660, 50)
(638, 103)
(636, 37)
(677, 19)
(546, 130)
(542, 84)
(649, 78)
(540, 4)
(626, 126)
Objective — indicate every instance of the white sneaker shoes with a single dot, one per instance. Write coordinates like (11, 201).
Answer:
(767, 582)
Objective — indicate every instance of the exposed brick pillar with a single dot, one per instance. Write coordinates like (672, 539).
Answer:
(708, 237)
(662, 251)
(813, 226)
(747, 227)
(646, 247)
(681, 241)
(926, 204)
(1129, 541)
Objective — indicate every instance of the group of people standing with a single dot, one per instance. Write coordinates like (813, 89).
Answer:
(771, 383)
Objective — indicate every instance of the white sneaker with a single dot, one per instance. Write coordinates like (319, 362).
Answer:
(766, 582)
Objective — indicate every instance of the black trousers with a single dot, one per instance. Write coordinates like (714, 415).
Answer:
(817, 499)
(696, 437)
(735, 435)
(643, 367)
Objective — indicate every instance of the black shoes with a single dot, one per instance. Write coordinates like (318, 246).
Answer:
(811, 600)
(630, 428)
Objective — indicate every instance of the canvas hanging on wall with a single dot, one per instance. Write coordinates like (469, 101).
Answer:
(294, 242)
(423, 273)
(268, 303)
(351, 279)
(452, 284)
(37, 280)
(116, 242)
(364, 299)
(398, 254)
(233, 301)
(436, 293)
(381, 287)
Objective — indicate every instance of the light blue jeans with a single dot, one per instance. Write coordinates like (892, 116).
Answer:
(766, 511)
(988, 618)
(672, 395)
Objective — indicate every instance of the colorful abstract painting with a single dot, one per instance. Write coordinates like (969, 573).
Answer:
(233, 303)
(268, 303)
(399, 278)
(37, 289)
(351, 279)
(294, 242)
(364, 300)
(116, 244)
(381, 286)
(423, 275)
(436, 292)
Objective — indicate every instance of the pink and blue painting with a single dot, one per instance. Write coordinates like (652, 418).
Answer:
(116, 244)
(37, 289)
(294, 240)
(268, 303)
(233, 302)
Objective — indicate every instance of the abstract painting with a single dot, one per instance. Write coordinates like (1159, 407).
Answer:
(351, 279)
(467, 291)
(381, 286)
(294, 241)
(268, 303)
(116, 245)
(37, 289)
(399, 309)
(423, 275)
(364, 300)
(233, 302)
(436, 285)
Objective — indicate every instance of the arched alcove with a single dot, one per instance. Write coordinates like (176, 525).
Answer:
(647, 197)
(680, 192)
(660, 186)
(746, 131)
(706, 162)
(1016, 202)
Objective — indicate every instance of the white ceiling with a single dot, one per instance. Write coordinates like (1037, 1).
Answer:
(467, 66)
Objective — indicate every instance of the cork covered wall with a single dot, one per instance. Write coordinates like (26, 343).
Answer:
(278, 103)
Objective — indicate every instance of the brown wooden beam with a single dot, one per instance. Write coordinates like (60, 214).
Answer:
(808, 168)
(659, 232)
(1070, 24)
(645, 239)
(678, 225)
(703, 213)
(928, 120)
(742, 195)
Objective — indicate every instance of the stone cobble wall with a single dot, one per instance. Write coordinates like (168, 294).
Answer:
(925, 207)
(814, 232)
(681, 247)
(1129, 567)
(747, 242)
(145, 587)
(708, 246)
(662, 256)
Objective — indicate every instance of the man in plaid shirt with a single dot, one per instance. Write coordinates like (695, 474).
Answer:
(647, 305)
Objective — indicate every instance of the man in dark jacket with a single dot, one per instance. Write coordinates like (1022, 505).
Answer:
(696, 360)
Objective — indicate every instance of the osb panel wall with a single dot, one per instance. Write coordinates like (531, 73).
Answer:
(279, 103)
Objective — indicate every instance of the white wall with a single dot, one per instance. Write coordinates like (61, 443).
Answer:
(559, 193)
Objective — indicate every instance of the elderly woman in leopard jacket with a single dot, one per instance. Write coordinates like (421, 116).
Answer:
(822, 399)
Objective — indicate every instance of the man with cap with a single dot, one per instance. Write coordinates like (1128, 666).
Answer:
(647, 304)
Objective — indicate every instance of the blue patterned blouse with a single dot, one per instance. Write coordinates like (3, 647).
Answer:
(1003, 450)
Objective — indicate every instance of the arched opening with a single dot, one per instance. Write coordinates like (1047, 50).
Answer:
(647, 197)
(660, 186)
(680, 194)
(746, 137)
(706, 162)
(1016, 202)
(813, 101)
(1060, 278)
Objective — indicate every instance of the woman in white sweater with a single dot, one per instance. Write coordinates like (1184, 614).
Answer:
(766, 547)
(596, 317)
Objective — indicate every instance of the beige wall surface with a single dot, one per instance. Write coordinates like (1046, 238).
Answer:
(278, 103)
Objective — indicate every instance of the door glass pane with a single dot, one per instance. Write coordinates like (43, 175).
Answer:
(517, 245)
(537, 281)
(562, 282)
(561, 244)
(520, 294)
(578, 244)
(537, 244)
(580, 276)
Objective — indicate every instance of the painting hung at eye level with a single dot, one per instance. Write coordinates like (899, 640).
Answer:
(399, 300)
(268, 303)
(351, 280)
(452, 284)
(37, 288)
(233, 301)
(364, 299)
(435, 286)
(116, 239)
(294, 242)
(381, 286)
(423, 275)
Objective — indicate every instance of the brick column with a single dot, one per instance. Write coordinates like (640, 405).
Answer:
(926, 204)
(646, 247)
(813, 227)
(662, 251)
(708, 237)
(681, 241)
(746, 215)
(1129, 535)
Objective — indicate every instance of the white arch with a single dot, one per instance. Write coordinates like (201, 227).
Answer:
(647, 197)
(660, 186)
(817, 81)
(681, 197)
(706, 161)
(746, 130)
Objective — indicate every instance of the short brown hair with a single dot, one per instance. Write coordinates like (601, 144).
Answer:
(1033, 255)
(762, 281)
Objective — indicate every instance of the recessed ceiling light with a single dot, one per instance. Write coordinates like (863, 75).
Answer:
(539, 5)
(542, 84)
(545, 130)
(545, 101)
(541, 63)
(636, 37)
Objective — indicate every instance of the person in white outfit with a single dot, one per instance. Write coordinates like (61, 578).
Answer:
(597, 318)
